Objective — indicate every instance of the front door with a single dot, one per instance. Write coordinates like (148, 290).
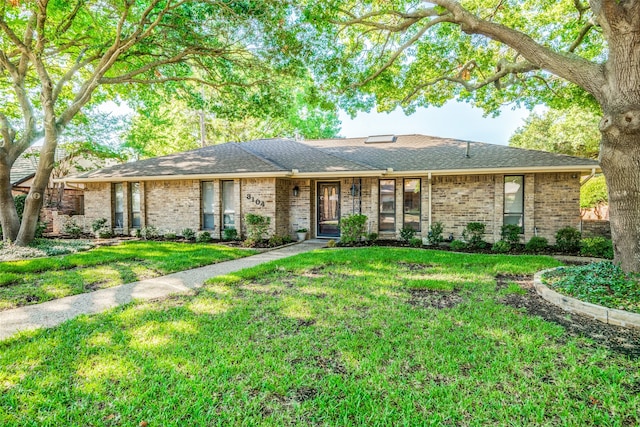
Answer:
(328, 209)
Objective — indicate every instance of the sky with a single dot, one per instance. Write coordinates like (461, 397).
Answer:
(453, 120)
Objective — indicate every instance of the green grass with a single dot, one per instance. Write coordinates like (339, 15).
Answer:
(323, 338)
(37, 280)
(602, 283)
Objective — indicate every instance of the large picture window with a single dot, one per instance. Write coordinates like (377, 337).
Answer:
(118, 205)
(514, 200)
(228, 205)
(387, 215)
(135, 205)
(412, 203)
(207, 205)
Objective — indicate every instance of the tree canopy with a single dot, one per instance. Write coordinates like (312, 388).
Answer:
(412, 53)
(572, 131)
(59, 56)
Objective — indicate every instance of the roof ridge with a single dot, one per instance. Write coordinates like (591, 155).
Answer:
(258, 156)
(357, 162)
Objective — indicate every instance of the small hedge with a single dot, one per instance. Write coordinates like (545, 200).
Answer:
(598, 247)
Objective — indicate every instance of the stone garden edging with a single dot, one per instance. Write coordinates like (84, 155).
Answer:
(611, 316)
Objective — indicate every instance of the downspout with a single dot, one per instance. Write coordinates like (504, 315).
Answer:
(584, 181)
(429, 208)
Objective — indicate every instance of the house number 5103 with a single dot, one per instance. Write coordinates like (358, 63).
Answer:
(258, 202)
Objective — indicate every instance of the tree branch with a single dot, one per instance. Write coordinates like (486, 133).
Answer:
(584, 73)
(583, 33)
(402, 48)
(504, 69)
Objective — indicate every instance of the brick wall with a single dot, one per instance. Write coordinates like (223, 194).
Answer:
(551, 202)
(170, 206)
(557, 203)
(459, 200)
(300, 207)
(258, 196)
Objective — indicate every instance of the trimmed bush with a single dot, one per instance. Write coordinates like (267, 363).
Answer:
(72, 228)
(170, 236)
(407, 233)
(511, 233)
(188, 234)
(230, 234)
(568, 239)
(598, 247)
(149, 232)
(501, 247)
(204, 237)
(257, 228)
(415, 242)
(473, 234)
(536, 244)
(435, 233)
(352, 229)
(372, 237)
(457, 245)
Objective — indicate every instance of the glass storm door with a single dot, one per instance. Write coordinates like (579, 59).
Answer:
(328, 209)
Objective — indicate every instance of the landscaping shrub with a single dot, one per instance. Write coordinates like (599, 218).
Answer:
(331, 243)
(98, 224)
(501, 247)
(568, 239)
(473, 234)
(257, 228)
(536, 244)
(277, 240)
(457, 245)
(352, 228)
(230, 234)
(511, 233)
(170, 236)
(105, 233)
(188, 234)
(372, 237)
(415, 242)
(72, 228)
(596, 247)
(435, 233)
(406, 233)
(149, 232)
(204, 237)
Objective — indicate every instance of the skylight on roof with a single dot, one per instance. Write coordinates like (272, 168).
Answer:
(378, 139)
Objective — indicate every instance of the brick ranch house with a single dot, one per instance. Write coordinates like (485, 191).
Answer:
(395, 181)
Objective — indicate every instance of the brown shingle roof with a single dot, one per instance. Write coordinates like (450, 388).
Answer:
(421, 152)
(280, 156)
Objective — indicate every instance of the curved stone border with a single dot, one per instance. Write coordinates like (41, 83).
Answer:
(598, 312)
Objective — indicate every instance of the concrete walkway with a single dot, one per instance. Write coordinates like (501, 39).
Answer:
(54, 312)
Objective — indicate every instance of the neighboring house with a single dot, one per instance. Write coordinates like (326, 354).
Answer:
(396, 181)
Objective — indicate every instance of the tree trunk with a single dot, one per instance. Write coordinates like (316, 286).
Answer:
(620, 161)
(8, 214)
(31, 214)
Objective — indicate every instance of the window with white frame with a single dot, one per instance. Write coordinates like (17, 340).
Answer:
(514, 200)
(135, 204)
(228, 205)
(118, 205)
(206, 196)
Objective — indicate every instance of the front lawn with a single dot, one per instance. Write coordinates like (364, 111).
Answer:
(371, 336)
(37, 280)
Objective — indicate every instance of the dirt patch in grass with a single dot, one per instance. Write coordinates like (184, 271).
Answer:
(429, 298)
(412, 266)
(616, 338)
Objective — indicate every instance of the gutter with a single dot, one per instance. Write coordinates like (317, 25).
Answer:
(389, 172)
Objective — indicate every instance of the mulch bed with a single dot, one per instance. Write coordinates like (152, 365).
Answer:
(616, 338)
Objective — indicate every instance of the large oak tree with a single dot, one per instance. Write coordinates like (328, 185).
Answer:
(411, 52)
(59, 56)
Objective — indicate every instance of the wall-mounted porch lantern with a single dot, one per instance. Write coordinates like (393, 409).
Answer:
(296, 191)
(355, 189)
